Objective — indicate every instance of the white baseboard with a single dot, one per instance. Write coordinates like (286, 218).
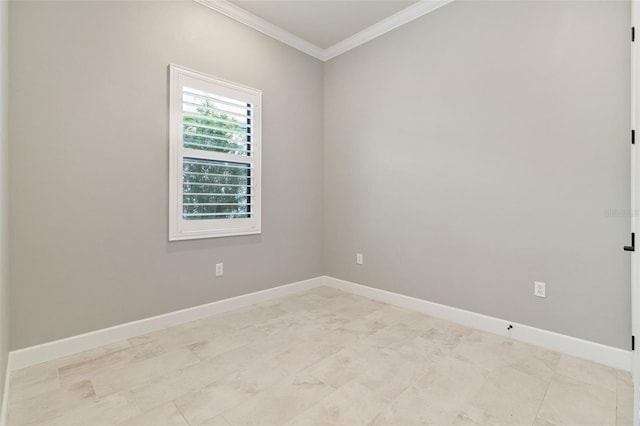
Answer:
(607, 355)
(71, 345)
(602, 354)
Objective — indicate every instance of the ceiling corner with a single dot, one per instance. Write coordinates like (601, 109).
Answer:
(422, 7)
(394, 21)
(249, 19)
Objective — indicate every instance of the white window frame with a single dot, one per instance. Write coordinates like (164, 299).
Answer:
(180, 229)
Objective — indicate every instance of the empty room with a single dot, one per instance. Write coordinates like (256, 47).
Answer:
(319, 212)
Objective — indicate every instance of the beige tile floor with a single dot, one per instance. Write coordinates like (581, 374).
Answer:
(320, 357)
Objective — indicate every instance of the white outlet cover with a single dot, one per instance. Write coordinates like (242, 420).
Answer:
(359, 259)
(219, 269)
(540, 289)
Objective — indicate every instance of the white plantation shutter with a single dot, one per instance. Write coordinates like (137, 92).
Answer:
(215, 157)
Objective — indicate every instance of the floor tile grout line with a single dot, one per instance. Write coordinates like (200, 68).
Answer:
(180, 412)
(616, 412)
(582, 382)
(544, 397)
(225, 419)
(319, 401)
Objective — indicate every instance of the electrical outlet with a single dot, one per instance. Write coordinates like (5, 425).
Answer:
(219, 269)
(539, 289)
(359, 259)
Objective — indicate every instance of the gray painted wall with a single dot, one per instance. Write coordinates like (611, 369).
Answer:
(89, 161)
(477, 150)
(466, 154)
(4, 195)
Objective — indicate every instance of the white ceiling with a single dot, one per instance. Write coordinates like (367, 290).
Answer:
(324, 28)
(323, 23)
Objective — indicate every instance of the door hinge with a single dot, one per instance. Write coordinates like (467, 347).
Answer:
(633, 137)
(633, 343)
(632, 247)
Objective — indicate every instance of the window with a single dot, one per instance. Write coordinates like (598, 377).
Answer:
(214, 138)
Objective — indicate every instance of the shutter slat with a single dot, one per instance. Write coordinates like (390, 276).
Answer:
(217, 204)
(196, 127)
(198, 115)
(218, 175)
(225, 164)
(243, 214)
(217, 194)
(213, 98)
(215, 184)
(214, 128)
(219, 148)
(218, 139)
(213, 138)
(243, 117)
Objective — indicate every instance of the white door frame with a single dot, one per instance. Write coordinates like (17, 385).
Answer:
(635, 208)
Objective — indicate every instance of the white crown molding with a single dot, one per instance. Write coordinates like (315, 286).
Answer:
(394, 21)
(266, 27)
(416, 10)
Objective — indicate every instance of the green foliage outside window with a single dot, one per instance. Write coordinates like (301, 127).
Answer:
(215, 189)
